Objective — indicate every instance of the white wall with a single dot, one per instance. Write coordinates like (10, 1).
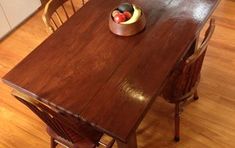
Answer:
(4, 26)
(16, 11)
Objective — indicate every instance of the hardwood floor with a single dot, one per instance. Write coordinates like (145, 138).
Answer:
(208, 122)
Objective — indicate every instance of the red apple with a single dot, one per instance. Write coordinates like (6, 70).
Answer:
(120, 17)
(127, 14)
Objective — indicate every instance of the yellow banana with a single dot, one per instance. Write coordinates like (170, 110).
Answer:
(136, 15)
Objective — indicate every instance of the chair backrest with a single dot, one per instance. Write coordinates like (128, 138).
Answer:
(59, 122)
(185, 77)
(56, 12)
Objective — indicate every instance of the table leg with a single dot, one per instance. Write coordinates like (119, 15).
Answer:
(131, 143)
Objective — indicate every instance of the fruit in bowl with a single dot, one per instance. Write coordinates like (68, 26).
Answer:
(126, 13)
(120, 17)
(127, 20)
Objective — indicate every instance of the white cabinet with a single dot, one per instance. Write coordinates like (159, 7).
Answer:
(16, 11)
(4, 26)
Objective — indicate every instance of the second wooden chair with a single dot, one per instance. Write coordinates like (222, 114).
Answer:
(56, 12)
(63, 128)
(183, 81)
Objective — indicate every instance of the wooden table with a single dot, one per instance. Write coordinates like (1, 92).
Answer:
(107, 80)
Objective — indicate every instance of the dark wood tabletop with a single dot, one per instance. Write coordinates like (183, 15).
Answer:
(107, 80)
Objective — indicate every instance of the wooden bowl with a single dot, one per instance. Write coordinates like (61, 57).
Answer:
(127, 29)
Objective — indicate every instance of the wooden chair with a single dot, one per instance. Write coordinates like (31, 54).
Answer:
(56, 13)
(183, 81)
(63, 128)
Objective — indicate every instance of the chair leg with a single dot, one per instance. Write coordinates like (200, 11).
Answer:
(53, 143)
(177, 122)
(195, 97)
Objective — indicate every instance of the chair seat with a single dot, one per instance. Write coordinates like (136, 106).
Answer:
(79, 141)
